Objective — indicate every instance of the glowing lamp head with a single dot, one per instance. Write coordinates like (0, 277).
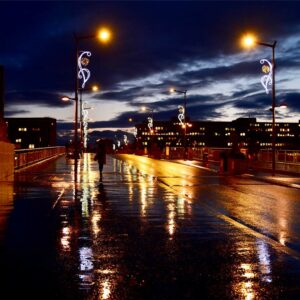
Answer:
(95, 88)
(143, 108)
(65, 98)
(130, 120)
(104, 35)
(172, 90)
(248, 41)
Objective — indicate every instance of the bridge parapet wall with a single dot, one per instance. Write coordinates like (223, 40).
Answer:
(6, 161)
(26, 157)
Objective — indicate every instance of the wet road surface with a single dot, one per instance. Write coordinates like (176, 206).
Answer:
(151, 230)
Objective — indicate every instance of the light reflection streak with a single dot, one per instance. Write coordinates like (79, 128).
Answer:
(264, 261)
(86, 259)
(171, 218)
(143, 197)
(246, 287)
(105, 289)
(96, 217)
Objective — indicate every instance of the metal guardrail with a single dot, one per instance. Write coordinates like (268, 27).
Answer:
(26, 157)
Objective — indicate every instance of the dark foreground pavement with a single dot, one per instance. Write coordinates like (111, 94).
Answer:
(133, 237)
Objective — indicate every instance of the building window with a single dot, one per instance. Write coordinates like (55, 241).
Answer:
(22, 129)
(242, 134)
(18, 140)
(36, 129)
(31, 146)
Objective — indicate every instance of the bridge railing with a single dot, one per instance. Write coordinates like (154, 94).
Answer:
(26, 157)
(286, 160)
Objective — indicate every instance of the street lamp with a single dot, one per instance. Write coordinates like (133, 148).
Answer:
(150, 119)
(182, 117)
(250, 41)
(104, 35)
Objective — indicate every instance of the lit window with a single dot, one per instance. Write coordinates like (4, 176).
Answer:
(18, 140)
(31, 146)
(22, 129)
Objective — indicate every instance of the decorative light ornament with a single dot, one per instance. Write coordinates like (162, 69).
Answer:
(135, 131)
(181, 116)
(150, 123)
(119, 143)
(125, 139)
(85, 128)
(266, 80)
(83, 73)
(85, 120)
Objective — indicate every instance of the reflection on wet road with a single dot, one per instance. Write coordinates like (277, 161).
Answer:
(150, 230)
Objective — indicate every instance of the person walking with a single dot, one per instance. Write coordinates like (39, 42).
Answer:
(100, 156)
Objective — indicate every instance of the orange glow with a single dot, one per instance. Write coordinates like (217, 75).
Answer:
(104, 35)
(95, 88)
(248, 41)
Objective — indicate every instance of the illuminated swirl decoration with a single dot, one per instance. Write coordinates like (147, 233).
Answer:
(83, 73)
(181, 114)
(85, 127)
(150, 123)
(135, 132)
(266, 80)
(125, 139)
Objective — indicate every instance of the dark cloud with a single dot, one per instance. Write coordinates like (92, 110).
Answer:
(292, 99)
(42, 98)
(149, 37)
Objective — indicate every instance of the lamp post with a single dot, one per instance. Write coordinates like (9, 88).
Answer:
(184, 119)
(66, 98)
(249, 41)
(104, 36)
(93, 88)
(85, 126)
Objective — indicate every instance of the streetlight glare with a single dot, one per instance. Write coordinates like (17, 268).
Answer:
(104, 35)
(65, 98)
(248, 41)
(172, 90)
(95, 88)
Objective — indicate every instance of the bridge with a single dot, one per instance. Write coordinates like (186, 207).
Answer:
(286, 160)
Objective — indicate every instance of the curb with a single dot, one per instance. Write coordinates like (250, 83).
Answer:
(273, 181)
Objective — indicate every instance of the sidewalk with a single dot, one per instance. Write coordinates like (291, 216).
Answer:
(279, 179)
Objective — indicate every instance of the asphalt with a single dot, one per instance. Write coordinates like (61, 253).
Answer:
(280, 178)
(131, 237)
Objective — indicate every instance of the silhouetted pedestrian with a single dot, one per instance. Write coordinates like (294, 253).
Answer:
(100, 156)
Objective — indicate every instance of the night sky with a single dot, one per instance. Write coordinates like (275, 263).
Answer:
(193, 46)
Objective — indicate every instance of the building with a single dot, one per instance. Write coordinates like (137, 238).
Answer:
(246, 132)
(31, 132)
